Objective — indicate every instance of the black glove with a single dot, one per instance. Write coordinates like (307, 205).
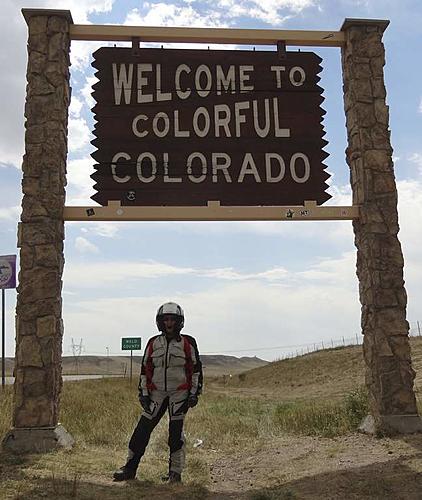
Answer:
(145, 402)
(192, 400)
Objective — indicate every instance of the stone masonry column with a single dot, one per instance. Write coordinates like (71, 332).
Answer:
(39, 325)
(389, 373)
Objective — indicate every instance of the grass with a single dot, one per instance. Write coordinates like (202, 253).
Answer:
(323, 419)
(101, 415)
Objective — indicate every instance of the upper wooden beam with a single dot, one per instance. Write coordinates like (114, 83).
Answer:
(205, 35)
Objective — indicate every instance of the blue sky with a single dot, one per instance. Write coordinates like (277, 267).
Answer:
(247, 288)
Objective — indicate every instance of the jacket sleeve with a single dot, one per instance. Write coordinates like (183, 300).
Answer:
(147, 369)
(197, 374)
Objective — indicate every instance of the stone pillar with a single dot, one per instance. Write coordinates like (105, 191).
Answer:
(39, 325)
(389, 373)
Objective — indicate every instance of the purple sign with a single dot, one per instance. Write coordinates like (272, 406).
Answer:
(7, 271)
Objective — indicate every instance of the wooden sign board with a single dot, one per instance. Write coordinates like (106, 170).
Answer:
(182, 127)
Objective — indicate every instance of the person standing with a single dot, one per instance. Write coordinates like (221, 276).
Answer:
(171, 380)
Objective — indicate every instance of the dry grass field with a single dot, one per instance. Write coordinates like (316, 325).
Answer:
(283, 431)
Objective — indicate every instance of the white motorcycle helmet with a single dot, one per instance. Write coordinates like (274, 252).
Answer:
(173, 309)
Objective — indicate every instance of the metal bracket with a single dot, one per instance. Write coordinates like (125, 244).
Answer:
(281, 49)
(135, 46)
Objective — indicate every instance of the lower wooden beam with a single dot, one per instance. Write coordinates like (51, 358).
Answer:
(212, 212)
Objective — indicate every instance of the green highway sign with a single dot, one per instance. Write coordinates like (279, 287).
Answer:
(131, 343)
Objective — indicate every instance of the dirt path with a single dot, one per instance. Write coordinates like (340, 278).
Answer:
(350, 467)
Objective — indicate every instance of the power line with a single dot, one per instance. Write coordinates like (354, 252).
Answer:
(77, 351)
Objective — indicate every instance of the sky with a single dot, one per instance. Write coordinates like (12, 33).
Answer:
(248, 288)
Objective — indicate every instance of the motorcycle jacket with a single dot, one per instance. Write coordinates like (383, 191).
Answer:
(171, 365)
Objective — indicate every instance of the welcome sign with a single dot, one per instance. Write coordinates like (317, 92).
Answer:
(183, 127)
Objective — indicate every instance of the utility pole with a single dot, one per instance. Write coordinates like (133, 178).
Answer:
(419, 328)
(77, 351)
(108, 360)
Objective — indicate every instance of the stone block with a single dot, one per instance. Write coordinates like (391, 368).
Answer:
(46, 326)
(40, 86)
(47, 256)
(37, 440)
(37, 25)
(32, 208)
(39, 284)
(377, 67)
(28, 352)
(57, 24)
(384, 182)
(35, 412)
(38, 43)
(31, 311)
(35, 134)
(381, 112)
(24, 327)
(37, 233)
(36, 63)
(57, 47)
(386, 298)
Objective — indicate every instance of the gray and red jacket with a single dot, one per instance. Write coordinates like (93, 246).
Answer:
(171, 365)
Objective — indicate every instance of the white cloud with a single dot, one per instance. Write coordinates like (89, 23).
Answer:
(103, 229)
(75, 107)
(79, 134)
(10, 213)
(420, 106)
(86, 91)
(78, 178)
(167, 14)
(274, 12)
(82, 245)
(233, 315)
(417, 158)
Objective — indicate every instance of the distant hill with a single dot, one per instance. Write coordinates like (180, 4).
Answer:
(325, 374)
(214, 365)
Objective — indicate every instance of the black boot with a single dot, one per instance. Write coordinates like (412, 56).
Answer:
(174, 477)
(124, 474)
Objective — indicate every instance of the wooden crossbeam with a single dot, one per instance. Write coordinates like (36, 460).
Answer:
(114, 33)
(212, 212)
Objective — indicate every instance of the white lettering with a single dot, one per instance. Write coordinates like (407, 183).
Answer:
(245, 78)
(177, 131)
(262, 132)
(239, 118)
(201, 112)
(115, 158)
(268, 167)
(306, 164)
(122, 81)
(161, 116)
(279, 132)
(224, 167)
(225, 81)
(142, 82)
(222, 121)
(190, 159)
(278, 70)
(161, 96)
(166, 170)
(135, 129)
(302, 76)
(248, 168)
(183, 94)
(203, 91)
(141, 158)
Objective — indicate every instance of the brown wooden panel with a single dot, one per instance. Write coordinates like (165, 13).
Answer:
(260, 144)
